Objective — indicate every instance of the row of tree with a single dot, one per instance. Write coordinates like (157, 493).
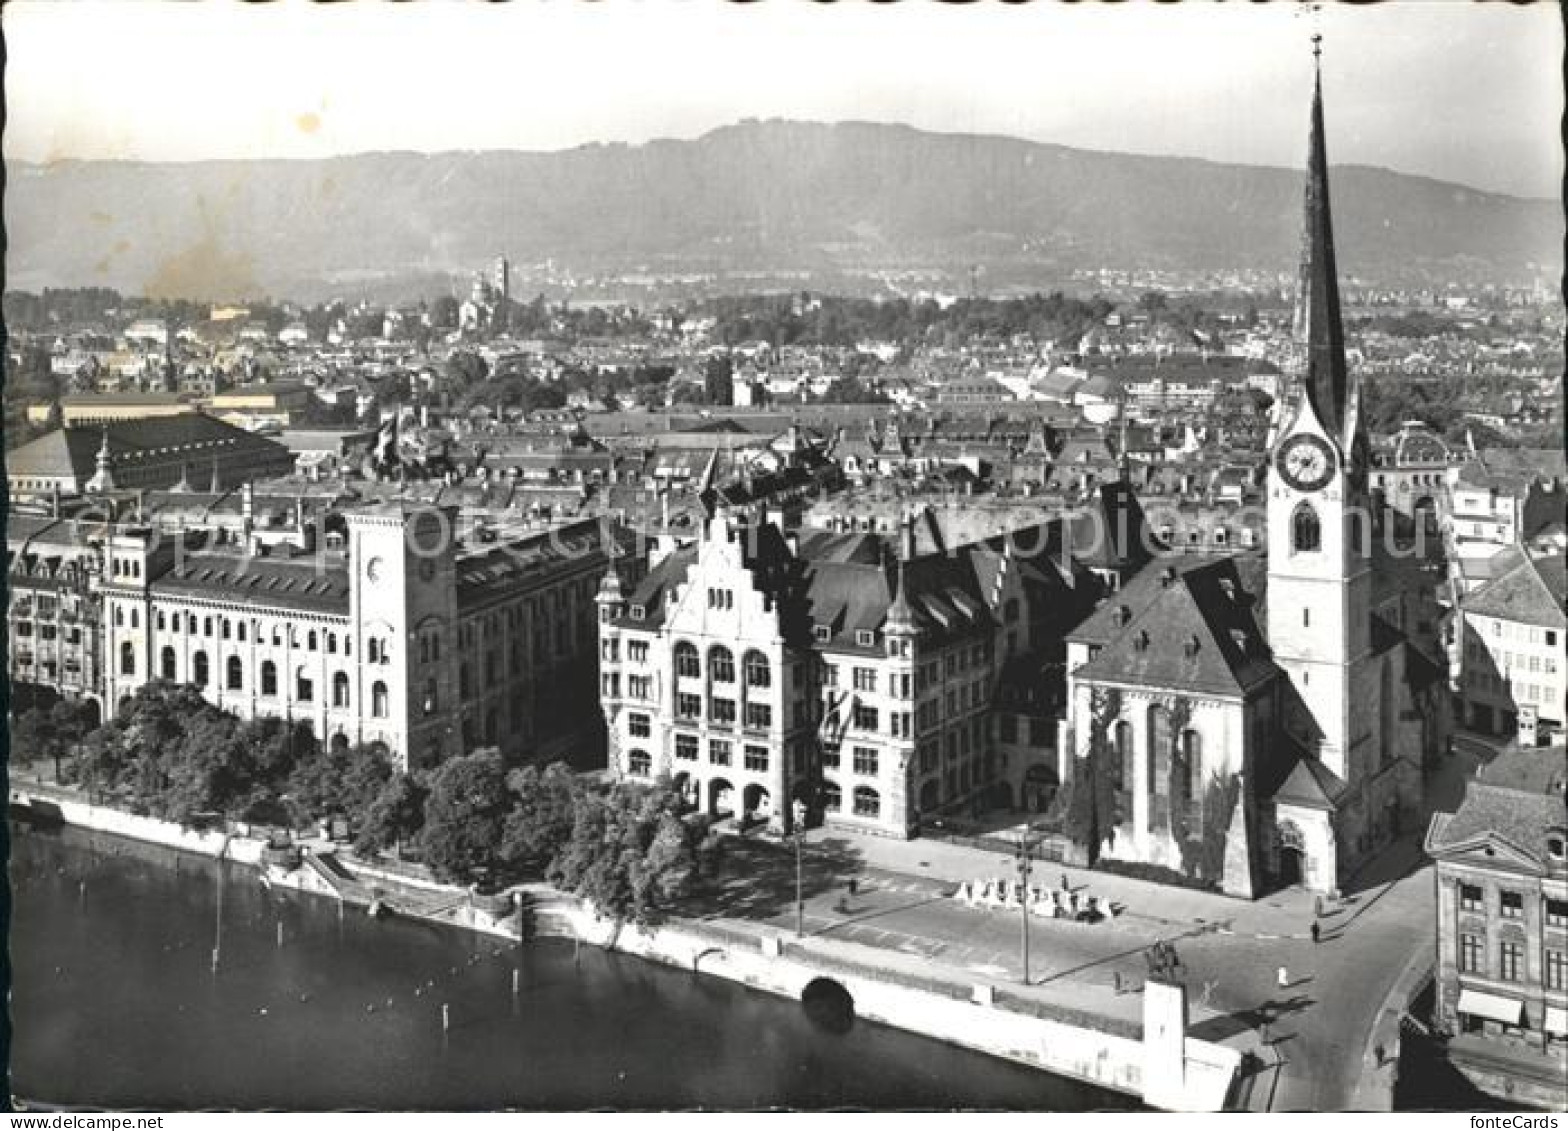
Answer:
(170, 754)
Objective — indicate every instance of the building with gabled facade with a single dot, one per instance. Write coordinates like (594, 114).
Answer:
(841, 670)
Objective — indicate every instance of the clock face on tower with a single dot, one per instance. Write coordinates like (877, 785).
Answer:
(1306, 463)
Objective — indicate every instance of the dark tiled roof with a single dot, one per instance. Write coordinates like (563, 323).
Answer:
(1199, 632)
(1518, 798)
(317, 583)
(1525, 589)
(503, 569)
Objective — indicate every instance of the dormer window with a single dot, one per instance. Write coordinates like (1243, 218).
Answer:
(1140, 642)
(865, 638)
(1557, 847)
(1123, 615)
(1190, 649)
(824, 632)
(639, 612)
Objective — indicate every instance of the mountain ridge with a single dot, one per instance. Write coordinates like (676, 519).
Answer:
(824, 202)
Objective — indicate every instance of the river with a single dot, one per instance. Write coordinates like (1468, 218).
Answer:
(115, 1003)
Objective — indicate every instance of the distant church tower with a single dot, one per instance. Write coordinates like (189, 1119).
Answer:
(1319, 515)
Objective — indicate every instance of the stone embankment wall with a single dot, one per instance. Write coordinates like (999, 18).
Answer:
(762, 958)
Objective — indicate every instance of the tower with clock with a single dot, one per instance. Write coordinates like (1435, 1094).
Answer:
(404, 607)
(1319, 517)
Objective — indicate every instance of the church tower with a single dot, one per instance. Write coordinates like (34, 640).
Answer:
(1319, 517)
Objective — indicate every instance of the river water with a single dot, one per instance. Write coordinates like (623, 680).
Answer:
(115, 1004)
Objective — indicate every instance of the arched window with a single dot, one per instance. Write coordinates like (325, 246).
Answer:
(758, 672)
(310, 641)
(1125, 772)
(373, 650)
(332, 643)
(119, 617)
(241, 631)
(127, 658)
(832, 797)
(136, 620)
(1159, 764)
(304, 687)
(639, 764)
(236, 674)
(269, 676)
(686, 662)
(199, 669)
(166, 663)
(227, 628)
(721, 665)
(1306, 532)
(161, 624)
(867, 802)
(340, 690)
(1190, 768)
(378, 700)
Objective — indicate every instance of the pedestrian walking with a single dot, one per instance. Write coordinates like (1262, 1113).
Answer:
(1317, 931)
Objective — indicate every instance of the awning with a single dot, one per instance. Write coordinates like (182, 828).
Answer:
(1490, 1006)
(1557, 1021)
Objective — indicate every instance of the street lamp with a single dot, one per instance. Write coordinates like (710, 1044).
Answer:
(1025, 861)
(799, 813)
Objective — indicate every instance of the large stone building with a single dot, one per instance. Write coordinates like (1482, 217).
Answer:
(842, 670)
(375, 623)
(1251, 723)
(1502, 927)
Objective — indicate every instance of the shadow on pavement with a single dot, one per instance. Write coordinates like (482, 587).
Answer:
(1229, 1024)
(752, 879)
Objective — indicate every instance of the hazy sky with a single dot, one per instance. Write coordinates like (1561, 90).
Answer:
(1465, 91)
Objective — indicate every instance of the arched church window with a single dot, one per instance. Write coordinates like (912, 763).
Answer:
(1306, 532)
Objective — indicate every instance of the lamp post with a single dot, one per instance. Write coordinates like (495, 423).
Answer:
(1025, 867)
(799, 813)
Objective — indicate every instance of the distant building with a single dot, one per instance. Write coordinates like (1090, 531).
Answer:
(104, 408)
(189, 448)
(1502, 927)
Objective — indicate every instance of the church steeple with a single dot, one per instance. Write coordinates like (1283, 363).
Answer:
(1318, 327)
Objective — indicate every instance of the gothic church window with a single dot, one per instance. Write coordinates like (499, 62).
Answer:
(1306, 532)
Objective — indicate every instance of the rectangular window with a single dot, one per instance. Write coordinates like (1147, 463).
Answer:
(757, 758)
(686, 747)
(1557, 910)
(866, 760)
(723, 711)
(865, 679)
(1557, 970)
(1470, 898)
(865, 717)
(1470, 954)
(719, 752)
(830, 675)
(759, 716)
(1510, 957)
(688, 706)
(1512, 905)
(637, 651)
(639, 726)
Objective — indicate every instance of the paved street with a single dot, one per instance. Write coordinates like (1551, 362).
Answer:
(1315, 1028)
